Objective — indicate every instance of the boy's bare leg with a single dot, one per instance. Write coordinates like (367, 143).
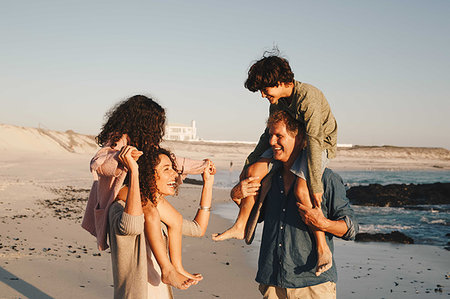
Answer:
(237, 231)
(324, 256)
(152, 229)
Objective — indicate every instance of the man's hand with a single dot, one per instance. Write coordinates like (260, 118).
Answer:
(313, 217)
(247, 187)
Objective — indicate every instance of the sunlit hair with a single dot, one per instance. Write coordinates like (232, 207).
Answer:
(163, 151)
(293, 127)
(143, 120)
(269, 71)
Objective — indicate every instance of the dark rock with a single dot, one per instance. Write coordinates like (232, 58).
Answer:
(192, 181)
(394, 237)
(398, 195)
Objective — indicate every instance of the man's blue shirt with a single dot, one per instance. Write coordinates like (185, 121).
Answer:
(288, 252)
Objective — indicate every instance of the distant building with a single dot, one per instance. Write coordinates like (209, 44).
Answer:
(344, 145)
(181, 132)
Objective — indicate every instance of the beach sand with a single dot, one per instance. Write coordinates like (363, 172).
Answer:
(44, 253)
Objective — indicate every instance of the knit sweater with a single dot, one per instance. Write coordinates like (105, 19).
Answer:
(129, 256)
(109, 176)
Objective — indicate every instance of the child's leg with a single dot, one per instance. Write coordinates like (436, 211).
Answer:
(174, 221)
(152, 229)
(237, 231)
(324, 256)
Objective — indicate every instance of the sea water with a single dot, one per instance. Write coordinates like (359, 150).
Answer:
(425, 224)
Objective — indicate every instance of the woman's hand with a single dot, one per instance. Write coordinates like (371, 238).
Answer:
(128, 156)
(209, 172)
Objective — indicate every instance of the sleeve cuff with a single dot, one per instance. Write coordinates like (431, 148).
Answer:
(351, 231)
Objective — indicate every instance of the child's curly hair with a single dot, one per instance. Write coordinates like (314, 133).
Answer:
(269, 71)
(143, 120)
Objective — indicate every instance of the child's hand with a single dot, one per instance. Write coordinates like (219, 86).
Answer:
(135, 154)
(128, 156)
(209, 172)
(211, 163)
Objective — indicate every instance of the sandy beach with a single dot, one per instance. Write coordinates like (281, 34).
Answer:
(44, 253)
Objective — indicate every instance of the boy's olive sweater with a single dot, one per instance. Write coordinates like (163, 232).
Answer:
(308, 105)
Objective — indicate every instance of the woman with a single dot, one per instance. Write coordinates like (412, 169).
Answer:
(138, 121)
(127, 223)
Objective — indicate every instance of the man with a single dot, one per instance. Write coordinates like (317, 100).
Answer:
(286, 266)
(272, 76)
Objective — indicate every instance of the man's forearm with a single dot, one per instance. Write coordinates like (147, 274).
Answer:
(335, 227)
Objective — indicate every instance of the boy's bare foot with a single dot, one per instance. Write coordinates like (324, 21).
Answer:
(324, 261)
(232, 233)
(177, 280)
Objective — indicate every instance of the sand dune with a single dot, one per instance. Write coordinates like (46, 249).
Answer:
(14, 138)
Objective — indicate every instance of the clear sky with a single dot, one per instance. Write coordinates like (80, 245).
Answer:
(383, 65)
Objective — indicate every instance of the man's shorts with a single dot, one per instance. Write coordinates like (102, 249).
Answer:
(300, 166)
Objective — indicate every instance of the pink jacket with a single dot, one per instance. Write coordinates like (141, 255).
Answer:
(109, 176)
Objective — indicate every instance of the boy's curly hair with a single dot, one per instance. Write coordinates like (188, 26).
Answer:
(269, 71)
(143, 120)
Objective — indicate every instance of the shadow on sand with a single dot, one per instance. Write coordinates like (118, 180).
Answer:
(21, 286)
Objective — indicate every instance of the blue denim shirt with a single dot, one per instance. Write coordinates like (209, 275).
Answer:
(288, 254)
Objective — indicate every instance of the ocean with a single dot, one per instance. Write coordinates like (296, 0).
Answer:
(425, 224)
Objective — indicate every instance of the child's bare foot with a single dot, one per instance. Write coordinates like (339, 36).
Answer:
(324, 261)
(196, 277)
(233, 232)
(177, 280)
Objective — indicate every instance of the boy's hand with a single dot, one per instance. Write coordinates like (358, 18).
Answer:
(317, 199)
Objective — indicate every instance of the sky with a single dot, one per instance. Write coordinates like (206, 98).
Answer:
(384, 66)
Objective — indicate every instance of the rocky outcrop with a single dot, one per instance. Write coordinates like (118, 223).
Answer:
(398, 195)
(393, 237)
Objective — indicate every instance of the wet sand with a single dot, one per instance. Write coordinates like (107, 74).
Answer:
(44, 253)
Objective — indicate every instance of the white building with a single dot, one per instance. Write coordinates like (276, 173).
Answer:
(181, 132)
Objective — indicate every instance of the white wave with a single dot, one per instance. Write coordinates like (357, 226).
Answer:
(438, 221)
(364, 228)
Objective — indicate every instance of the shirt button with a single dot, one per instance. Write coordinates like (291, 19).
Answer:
(279, 244)
(284, 210)
(282, 192)
(281, 227)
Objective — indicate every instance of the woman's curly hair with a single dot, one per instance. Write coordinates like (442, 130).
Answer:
(269, 71)
(143, 120)
(162, 151)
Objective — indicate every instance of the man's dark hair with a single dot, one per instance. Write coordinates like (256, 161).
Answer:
(269, 71)
(293, 126)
